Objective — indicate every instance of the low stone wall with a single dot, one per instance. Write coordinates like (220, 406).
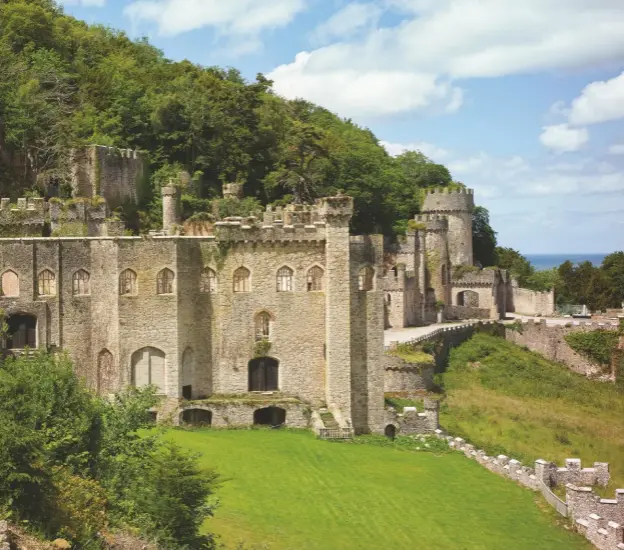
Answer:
(402, 376)
(241, 413)
(411, 422)
(549, 341)
(465, 312)
(603, 534)
(530, 302)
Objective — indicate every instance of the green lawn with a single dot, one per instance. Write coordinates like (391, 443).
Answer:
(288, 490)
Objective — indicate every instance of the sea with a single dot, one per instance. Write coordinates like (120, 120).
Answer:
(548, 261)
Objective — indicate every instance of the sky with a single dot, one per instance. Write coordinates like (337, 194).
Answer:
(522, 100)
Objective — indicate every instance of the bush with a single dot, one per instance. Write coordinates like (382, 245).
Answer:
(596, 345)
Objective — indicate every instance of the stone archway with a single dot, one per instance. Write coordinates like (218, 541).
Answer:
(264, 374)
(22, 331)
(270, 416)
(148, 368)
(468, 298)
(390, 431)
(197, 417)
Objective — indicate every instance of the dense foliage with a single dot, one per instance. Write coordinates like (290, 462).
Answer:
(597, 345)
(73, 465)
(510, 401)
(65, 83)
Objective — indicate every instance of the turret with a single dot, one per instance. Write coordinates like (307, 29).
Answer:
(457, 205)
(170, 207)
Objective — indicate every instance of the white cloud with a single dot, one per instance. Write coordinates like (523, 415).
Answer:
(348, 20)
(231, 17)
(417, 63)
(87, 3)
(617, 149)
(599, 102)
(561, 138)
(435, 153)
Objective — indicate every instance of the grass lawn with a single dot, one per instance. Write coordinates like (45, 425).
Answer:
(288, 490)
(507, 400)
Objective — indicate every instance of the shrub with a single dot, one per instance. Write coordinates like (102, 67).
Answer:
(596, 345)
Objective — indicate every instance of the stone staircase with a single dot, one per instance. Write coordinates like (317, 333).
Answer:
(332, 429)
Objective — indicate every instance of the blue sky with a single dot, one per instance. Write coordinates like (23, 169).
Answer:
(523, 101)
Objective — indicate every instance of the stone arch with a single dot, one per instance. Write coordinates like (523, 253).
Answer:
(242, 280)
(128, 283)
(46, 283)
(263, 326)
(468, 298)
(394, 271)
(270, 416)
(366, 278)
(285, 281)
(187, 376)
(106, 373)
(22, 331)
(196, 416)
(263, 374)
(81, 283)
(148, 368)
(165, 281)
(9, 284)
(315, 279)
(390, 431)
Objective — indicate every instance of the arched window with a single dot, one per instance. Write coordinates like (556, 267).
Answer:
(285, 279)
(270, 416)
(208, 281)
(242, 280)
(395, 272)
(128, 283)
(164, 281)
(22, 331)
(80, 283)
(148, 368)
(315, 279)
(263, 326)
(46, 283)
(365, 279)
(105, 373)
(9, 284)
(263, 374)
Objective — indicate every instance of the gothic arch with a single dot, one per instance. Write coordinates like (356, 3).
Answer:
(149, 368)
(106, 373)
(242, 280)
(165, 281)
(81, 283)
(9, 284)
(315, 279)
(285, 279)
(128, 283)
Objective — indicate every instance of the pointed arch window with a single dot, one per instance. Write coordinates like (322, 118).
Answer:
(263, 326)
(81, 284)
(164, 281)
(285, 277)
(365, 278)
(242, 280)
(208, 282)
(128, 283)
(315, 279)
(46, 283)
(9, 284)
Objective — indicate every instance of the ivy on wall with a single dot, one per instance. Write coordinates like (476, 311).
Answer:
(597, 345)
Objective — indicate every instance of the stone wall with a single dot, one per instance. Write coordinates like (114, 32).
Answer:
(411, 422)
(549, 341)
(465, 312)
(530, 302)
(401, 376)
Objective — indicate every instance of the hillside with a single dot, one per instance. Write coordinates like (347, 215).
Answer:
(507, 400)
(66, 83)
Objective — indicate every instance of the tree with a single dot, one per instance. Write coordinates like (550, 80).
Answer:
(483, 237)
(514, 262)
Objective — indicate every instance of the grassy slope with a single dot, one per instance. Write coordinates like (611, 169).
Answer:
(289, 490)
(517, 403)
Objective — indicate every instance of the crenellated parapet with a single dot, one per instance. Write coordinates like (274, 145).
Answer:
(449, 200)
(24, 218)
(431, 222)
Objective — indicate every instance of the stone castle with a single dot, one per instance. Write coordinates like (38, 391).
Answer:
(272, 318)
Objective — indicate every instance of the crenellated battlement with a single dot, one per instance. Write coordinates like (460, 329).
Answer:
(252, 229)
(445, 200)
(432, 222)
(24, 218)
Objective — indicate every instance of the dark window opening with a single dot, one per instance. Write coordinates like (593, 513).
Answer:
(153, 416)
(197, 417)
(187, 392)
(271, 416)
(22, 332)
(263, 374)
(390, 431)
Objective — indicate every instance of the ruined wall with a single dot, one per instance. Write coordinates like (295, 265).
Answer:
(530, 302)
(25, 218)
(109, 172)
(549, 341)
(464, 312)
(401, 376)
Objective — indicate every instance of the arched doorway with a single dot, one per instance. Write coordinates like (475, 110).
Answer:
(468, 298)
(148, 368)
(390, 431)
(105, 373)
(188, 373)
(264, 374)
(197, 417)
(22, 331)
(270, 416)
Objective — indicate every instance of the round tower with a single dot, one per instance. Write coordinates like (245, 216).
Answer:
(457, 205)
(170, 207)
